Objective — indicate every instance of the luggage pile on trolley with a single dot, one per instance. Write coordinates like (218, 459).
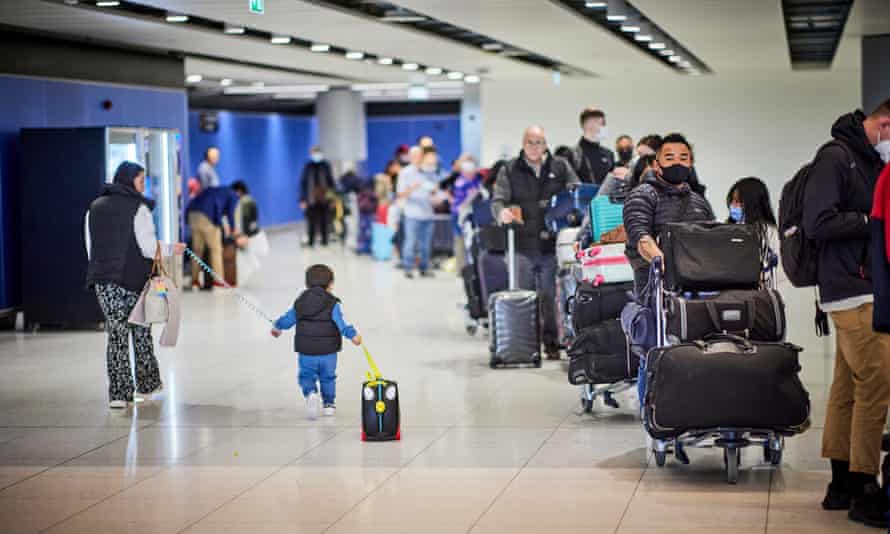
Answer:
(719, 373)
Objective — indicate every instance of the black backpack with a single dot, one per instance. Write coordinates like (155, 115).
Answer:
(800, 255)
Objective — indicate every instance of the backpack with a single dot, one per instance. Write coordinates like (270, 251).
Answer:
(800, 255)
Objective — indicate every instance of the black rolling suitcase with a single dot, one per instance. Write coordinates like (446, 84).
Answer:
(710, 256)
(601, 355)
(381, 417)
(514, 320)
(473, 290)
(592, 305)
(758, 315)
(726, 382)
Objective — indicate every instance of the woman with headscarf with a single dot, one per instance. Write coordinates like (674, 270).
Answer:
(121, 242)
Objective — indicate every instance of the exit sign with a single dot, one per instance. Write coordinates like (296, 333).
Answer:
(257, 6)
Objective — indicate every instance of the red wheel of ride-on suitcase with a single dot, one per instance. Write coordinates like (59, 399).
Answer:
(364, 436)
(399, 434)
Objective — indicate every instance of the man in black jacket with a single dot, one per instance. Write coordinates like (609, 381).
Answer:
(528, 182)
(590, 160)
(837, 204)
(315, 184)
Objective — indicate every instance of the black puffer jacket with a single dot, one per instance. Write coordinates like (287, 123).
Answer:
(836, 204)
(654, 204)
(316, 333)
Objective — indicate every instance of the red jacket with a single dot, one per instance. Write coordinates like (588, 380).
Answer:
(880, 252)
(881, 207)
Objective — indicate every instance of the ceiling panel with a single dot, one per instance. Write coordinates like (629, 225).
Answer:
(315, 23)
(543, 27)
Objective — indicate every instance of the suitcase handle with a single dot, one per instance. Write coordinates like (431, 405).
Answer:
(746, 345)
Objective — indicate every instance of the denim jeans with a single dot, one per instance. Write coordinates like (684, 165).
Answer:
(320, 369)
(418, 241)
(537, 272)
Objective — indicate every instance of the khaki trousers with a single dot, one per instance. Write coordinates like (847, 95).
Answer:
(860, 392)
(206, 236)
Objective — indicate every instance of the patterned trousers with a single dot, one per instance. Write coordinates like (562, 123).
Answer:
(117, 303)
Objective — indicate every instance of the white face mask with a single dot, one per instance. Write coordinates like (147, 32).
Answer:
(883, 148)
(604, 133)
(428, 168)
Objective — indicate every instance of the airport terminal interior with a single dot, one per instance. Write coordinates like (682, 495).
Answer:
(256, 140)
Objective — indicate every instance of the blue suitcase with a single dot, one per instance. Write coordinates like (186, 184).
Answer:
(568, 208)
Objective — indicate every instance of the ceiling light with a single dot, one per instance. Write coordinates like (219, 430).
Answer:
(667, 52)
(280, 40)
(225, 82)
(385, 60)
(433, 71)
(642, 38)
(110, 3)
(627, 28)
(675, 59)
(685, 64)
(258, 84)
(177, 18)
(319, 47)
(595, 5)
(410, 66)
(617, 11)
(616, 18)
(71, 2)
(455, 75)
(657, 46)
(492, 47)
(355, 55)
(472, 78)
(234, 30)
(401, 15)
(193, 78)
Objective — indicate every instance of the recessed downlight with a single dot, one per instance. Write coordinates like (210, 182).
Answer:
(177, 18)
(234, 30)
(320, 47)
(595, 5)
(107, 3)
(355, 55)
(616, 18)
(640, 38)
(385, 60)
(630, 28)
(666, 52)
(225, 82)
(472, 78)
(657, 46)
(410, 66)
(433, 71)
(455, 75)
(675, 59)
(492, 47)
(193, 78)
(280, 40)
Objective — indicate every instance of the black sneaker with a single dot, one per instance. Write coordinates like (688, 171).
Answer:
(871, 509)
(836, 499)
(427, 274)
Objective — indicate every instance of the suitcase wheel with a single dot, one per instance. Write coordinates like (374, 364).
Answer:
(399, 434)
(660, 458)
(537, 362)
(364, 436)
(471, 329)
(732, 459)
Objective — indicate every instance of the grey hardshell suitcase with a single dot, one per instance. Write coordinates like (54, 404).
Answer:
(514, 320)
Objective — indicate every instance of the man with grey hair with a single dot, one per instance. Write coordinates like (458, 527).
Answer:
(527, 182)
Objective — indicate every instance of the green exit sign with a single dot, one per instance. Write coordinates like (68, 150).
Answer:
(257, 6)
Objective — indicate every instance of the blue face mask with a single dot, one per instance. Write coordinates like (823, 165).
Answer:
(737, 214)
(317, 157)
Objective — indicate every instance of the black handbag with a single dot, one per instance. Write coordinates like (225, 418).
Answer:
(758, 315)
(725, 382)
(711, 256)
(591, 305)
(600, 355)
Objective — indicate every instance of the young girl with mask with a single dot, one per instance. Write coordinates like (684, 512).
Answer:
(749, 203)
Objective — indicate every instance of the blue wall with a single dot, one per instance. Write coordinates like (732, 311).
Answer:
(387, 133)
(267, 151)
(38, 103)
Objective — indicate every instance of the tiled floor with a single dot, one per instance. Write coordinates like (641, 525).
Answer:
(227, 448)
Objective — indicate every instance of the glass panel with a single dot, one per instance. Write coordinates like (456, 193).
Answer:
(123, 145)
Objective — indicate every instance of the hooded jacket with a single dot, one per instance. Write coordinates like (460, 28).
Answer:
(592, 161)
(115, 255)
(837, 202)
(316, 331)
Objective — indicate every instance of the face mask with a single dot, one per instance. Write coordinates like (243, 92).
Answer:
(883, 148)
(317, 157)
(625, 154)
(737, 214)
(603, 134)
(428, 168)
(675, 174)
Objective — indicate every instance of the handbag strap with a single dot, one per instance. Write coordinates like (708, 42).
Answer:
(157, 266)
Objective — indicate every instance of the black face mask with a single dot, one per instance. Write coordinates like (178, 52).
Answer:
(675, 174)
(625, 154)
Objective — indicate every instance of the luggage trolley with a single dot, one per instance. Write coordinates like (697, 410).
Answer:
(730, 439)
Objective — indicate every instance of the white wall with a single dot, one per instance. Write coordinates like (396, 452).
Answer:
(738, 126)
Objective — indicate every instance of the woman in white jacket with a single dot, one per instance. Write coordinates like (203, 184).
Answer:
(749, 203)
